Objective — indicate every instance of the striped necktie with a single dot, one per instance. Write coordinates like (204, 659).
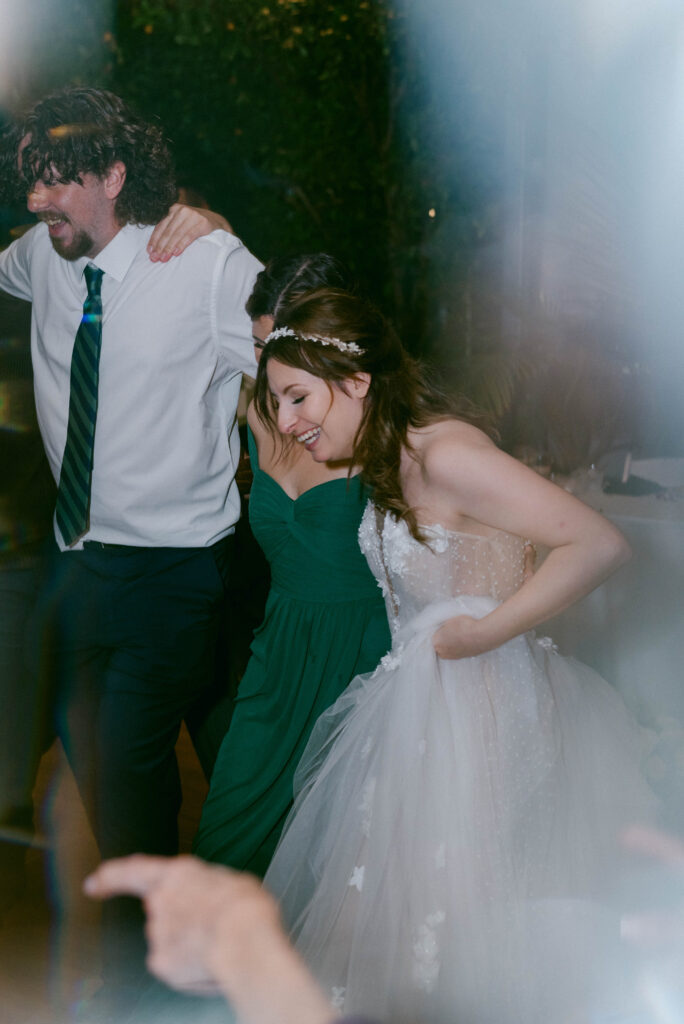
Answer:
(73, 497)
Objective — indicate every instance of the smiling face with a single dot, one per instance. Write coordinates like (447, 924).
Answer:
(79, 215)
(323, 417)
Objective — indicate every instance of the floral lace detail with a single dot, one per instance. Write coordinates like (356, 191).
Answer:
(547, 643)
(413, 575)
(366, 533)
(337, 994)
(438, 540)
(393, 658)
(398, 546)
(426, 952)
(356, 880)
(385, 590)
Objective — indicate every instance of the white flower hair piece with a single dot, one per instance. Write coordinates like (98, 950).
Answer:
(321, 339)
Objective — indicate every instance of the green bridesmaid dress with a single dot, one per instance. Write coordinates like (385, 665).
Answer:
(324, 623)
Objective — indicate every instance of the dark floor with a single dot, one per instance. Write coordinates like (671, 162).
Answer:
(48, 944)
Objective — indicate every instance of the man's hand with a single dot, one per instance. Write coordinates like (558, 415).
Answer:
(181, 226)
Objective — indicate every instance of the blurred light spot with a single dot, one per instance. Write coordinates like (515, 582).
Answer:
(63, 131)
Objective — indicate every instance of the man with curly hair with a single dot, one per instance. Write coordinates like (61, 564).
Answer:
(137, 581)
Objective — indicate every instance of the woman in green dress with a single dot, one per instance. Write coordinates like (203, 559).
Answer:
(324, 622)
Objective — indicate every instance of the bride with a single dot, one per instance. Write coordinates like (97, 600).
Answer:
(457, 814)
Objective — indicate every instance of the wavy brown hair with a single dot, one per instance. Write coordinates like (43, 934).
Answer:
(400, 397)
(85, 131)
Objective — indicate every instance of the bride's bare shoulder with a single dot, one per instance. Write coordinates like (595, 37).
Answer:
(454, 455)
(448, 438)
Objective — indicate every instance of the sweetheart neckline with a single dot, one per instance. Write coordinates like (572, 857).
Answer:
(440, 528)
(323, 483)
(280, 487)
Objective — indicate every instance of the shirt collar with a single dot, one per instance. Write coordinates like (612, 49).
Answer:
(116, 257)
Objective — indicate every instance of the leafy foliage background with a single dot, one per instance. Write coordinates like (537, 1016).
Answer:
(320, 124)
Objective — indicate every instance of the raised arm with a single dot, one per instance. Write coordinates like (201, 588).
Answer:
(464, 470)
(181, 226)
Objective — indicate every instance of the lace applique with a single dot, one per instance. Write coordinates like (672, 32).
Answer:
(398, 546)
(366, 806)
(366, 533)
(438, 541)
(547, 643)
(356, 880)
(413, 575)
(371, 535)
(426, 952)
(337, 997)
(385, 589)
(393, 658)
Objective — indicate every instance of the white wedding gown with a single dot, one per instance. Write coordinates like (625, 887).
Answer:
(455, 825)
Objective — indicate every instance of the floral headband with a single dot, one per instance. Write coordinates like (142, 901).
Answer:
(321, 339)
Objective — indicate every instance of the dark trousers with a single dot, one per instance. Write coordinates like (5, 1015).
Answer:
(129, 635)
(22, 721)
(24, 724)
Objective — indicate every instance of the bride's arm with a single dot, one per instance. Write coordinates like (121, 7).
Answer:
(464, 468)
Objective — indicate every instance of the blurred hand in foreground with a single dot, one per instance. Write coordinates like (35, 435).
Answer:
(212, 930)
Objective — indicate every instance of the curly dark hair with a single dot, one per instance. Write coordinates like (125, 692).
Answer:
(81, 131)
(285, 278)
(401, 395)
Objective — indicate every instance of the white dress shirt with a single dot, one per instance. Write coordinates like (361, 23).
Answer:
(175, 342)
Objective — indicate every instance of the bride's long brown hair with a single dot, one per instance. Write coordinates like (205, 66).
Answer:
(400, 396)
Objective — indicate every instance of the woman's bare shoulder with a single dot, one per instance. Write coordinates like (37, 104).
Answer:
(448, 439)
(252, 418)
(256, 424)
(268, 443)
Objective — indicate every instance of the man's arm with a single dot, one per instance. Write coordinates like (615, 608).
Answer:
(15, 262)
(232, 285)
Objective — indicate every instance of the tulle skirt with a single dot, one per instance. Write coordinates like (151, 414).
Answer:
(455, 832)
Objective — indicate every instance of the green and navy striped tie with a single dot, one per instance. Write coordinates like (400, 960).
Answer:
(73, 496)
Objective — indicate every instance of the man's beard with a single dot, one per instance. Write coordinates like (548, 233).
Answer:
(81, 244)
